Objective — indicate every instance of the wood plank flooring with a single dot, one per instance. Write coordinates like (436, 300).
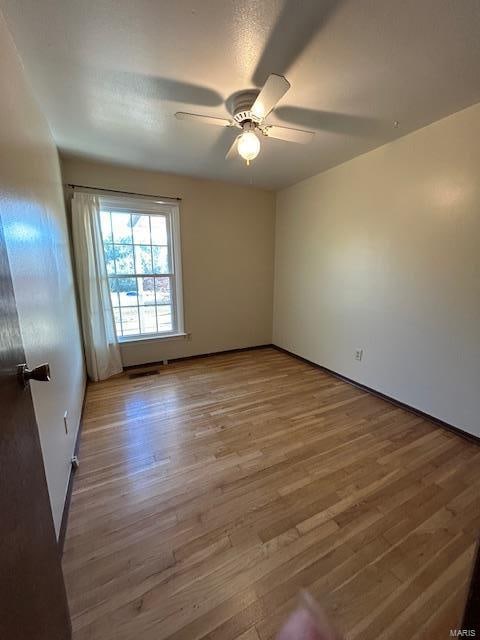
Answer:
(210, 493)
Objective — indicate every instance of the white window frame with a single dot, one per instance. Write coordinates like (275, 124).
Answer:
(172, 213)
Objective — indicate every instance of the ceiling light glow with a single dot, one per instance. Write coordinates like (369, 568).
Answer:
(248, 146)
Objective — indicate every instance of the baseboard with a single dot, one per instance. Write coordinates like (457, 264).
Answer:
(445, 425)
(68, 495)
(199, 355)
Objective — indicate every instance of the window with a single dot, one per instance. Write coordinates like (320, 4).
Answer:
(141, 241)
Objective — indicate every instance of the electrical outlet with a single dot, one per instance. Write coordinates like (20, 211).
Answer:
(358, 354)
(65, 421)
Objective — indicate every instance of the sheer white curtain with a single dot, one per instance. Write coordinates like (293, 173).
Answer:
(102, 352)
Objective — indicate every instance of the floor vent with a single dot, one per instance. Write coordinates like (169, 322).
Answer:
(142, 374)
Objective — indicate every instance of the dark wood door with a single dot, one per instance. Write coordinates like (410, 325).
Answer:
(33, 602)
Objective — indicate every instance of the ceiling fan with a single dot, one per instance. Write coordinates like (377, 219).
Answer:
(250, 109)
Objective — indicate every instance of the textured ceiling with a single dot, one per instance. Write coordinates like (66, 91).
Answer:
(110, 74)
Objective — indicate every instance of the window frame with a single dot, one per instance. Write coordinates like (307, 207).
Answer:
(171, 211)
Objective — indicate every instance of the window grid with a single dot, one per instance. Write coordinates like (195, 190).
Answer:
(154, 305)
(140, 320)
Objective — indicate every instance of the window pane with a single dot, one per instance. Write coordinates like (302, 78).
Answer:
(159, 229)
(127, 291)
(143, 259)
(124, 259)
(146, 291)
(148, 320)
(118, 321)
(109, 250)
(164, 318)
(113, 293)
(106, 225)
(160, 260)
(122, 231)
(130, 321)
(162, 291)
(141, 229)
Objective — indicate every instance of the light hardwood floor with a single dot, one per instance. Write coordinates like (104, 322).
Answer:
(209, 494)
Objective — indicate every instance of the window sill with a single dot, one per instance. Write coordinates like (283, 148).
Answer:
(164, 337)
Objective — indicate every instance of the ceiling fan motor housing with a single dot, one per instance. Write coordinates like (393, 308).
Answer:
(242, 108)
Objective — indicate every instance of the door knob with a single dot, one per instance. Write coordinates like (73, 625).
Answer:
(40, 373)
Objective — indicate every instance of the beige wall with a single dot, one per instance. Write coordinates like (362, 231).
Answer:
(227, 234)
(383, 253)
(33, 215)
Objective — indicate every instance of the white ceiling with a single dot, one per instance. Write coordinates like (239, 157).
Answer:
(110, 74)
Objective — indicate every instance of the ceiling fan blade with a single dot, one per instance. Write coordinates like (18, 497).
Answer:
(196, 117)
(232, 151)
(290, 135)
(273, 90)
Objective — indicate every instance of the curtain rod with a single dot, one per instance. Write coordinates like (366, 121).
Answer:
(123, 193)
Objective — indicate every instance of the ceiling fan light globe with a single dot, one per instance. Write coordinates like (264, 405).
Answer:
(248, 145)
